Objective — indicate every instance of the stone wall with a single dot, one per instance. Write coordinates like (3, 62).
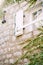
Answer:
(9, 48)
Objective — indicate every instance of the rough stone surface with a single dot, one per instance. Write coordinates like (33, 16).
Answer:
(9, 48)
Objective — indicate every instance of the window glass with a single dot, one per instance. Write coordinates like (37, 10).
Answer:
(39, 11)
(36, 14)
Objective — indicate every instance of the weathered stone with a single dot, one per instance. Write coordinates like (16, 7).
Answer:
(6, 38)
(1, 51)
(25, 60)
(4, 57)
(9, 49)
(3, 45)
(6, 33)
(11, 60)
(11, 45)
(5, 50)
(13, 38)
(18, 47)
(1, 63)
(9, 55)
(17, 53)
(6, 61)
(1, 40)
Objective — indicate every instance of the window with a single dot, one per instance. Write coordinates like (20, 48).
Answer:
(39, 11)
(36, 14)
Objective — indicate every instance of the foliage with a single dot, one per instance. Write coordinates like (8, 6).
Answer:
(34, 50)
(6, 2)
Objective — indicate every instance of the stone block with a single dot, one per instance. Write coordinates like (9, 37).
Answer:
(6, 38)
(9, 49)
(18, 47)
(11, 45)
(5, 50)
(8, 55)
(25, 60)
(1, 63)
(5, 33)
(11, 60)
(1, 51)
(3, 45)
(1, 41)
(13, 38)
(17, 53)
(4, 56)
(6, 61)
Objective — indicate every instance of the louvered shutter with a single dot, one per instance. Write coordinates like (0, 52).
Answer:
(19, 23)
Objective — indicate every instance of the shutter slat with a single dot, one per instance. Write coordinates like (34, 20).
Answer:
(19, 23)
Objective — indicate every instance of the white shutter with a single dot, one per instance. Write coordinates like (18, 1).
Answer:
(19, 23)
